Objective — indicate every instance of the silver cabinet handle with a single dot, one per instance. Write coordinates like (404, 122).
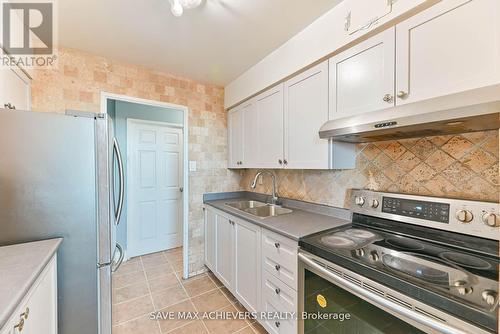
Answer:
(277, 244)
(285, 162)
(115, 266)
(277, 290)
(121, 174)
(381, 301)
(402, 94)
(9, 106)
(277, 267)
(181, 189)
(387, 98)
(280, 161)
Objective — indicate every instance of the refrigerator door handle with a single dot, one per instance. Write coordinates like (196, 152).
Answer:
(115, 266)
(121, 197)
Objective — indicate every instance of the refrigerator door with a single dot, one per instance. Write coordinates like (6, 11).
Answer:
(48, 189)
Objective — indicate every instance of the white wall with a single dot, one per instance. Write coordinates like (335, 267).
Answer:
(320, 39)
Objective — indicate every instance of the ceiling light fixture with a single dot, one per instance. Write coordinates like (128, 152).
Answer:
(177, 6)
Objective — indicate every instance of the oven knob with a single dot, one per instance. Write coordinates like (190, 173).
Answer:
(490, 297)
(360, 201)
(374, 256)
(464, 216)
(359, 252)
(491, 219)
(374, 204)
(461, 288)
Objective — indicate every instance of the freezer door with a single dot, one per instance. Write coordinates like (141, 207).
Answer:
(47, 190)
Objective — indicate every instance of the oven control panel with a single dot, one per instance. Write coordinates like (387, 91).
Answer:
(476, 218)
(438, 212)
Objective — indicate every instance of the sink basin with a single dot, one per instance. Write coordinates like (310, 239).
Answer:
(268, 210)
(259, 209)
(243, 205)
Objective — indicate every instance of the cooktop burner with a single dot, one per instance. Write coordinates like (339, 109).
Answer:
(465, 260)
(360, 233)
(337, 241)
(405, 243)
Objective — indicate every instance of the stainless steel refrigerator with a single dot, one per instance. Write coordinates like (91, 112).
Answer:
(62, 176)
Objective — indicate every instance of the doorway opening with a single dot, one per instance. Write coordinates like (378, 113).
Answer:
(154, 136)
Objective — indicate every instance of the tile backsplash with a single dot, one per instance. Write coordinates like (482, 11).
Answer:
(461, 166)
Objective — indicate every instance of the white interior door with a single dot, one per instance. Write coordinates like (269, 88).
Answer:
(156, 181)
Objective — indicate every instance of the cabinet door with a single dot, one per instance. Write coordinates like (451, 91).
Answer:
(235, 137)
(41, 306)
(14, 89)
(251, 133)
(306, 110)
(361, 14)
(362, 78)
(225, 250)
(248, 264)
(451, 47)
(210, 238)
(269, 140)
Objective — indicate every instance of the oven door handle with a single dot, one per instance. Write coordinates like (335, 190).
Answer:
(439, 326)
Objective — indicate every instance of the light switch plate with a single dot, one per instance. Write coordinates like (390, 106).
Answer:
(192, 166)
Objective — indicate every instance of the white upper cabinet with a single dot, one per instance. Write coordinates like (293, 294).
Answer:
(251, 131)
(306, 110)
(269, 122)
(362, 78)
(362, 15)
(451, 47)
(236, 137)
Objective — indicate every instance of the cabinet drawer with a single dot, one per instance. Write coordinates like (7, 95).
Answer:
(279, 257)
(278, 293)
(277, 326)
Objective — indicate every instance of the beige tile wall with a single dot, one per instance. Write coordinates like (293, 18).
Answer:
(462, 166)
(78, 83)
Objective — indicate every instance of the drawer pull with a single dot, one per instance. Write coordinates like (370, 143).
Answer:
(277, 244)
(277, 290)
(277, 323)
(20, 325)
(26, 313)
(277, 267)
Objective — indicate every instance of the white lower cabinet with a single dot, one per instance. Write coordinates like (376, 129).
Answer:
(37, 313)
(258, 266)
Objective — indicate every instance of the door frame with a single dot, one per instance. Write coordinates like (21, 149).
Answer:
(105, 96)
(135, 121)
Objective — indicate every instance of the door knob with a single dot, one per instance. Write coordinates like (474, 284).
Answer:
(402, 94)
(387, 98)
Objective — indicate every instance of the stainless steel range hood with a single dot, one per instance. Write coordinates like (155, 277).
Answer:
(475, 110)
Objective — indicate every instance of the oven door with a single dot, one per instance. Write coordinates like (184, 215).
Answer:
(333, 299)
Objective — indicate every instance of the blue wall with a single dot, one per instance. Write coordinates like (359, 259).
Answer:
(120, 111)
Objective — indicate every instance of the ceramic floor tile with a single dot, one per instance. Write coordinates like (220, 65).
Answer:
(158, 270)
(130, 292)
(225, 326)
(210, 301)
(195, 327)
(131, 266)
(258, 328)
(196, 286)
(132, 309)
(142, 325)
(246, 330)
(163, 282)
(167, 325)
(170, 296)
(121, 281)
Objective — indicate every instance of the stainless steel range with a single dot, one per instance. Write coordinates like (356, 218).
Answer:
(406, 264)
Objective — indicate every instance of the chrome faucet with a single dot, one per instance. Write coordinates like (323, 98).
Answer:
(274, 199)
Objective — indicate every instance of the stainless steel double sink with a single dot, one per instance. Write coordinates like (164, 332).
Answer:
(259, 209)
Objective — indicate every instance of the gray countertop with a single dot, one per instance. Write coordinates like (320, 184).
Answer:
(20, 266)
(306, 218)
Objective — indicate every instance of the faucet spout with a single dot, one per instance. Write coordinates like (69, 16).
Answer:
(274, 199)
